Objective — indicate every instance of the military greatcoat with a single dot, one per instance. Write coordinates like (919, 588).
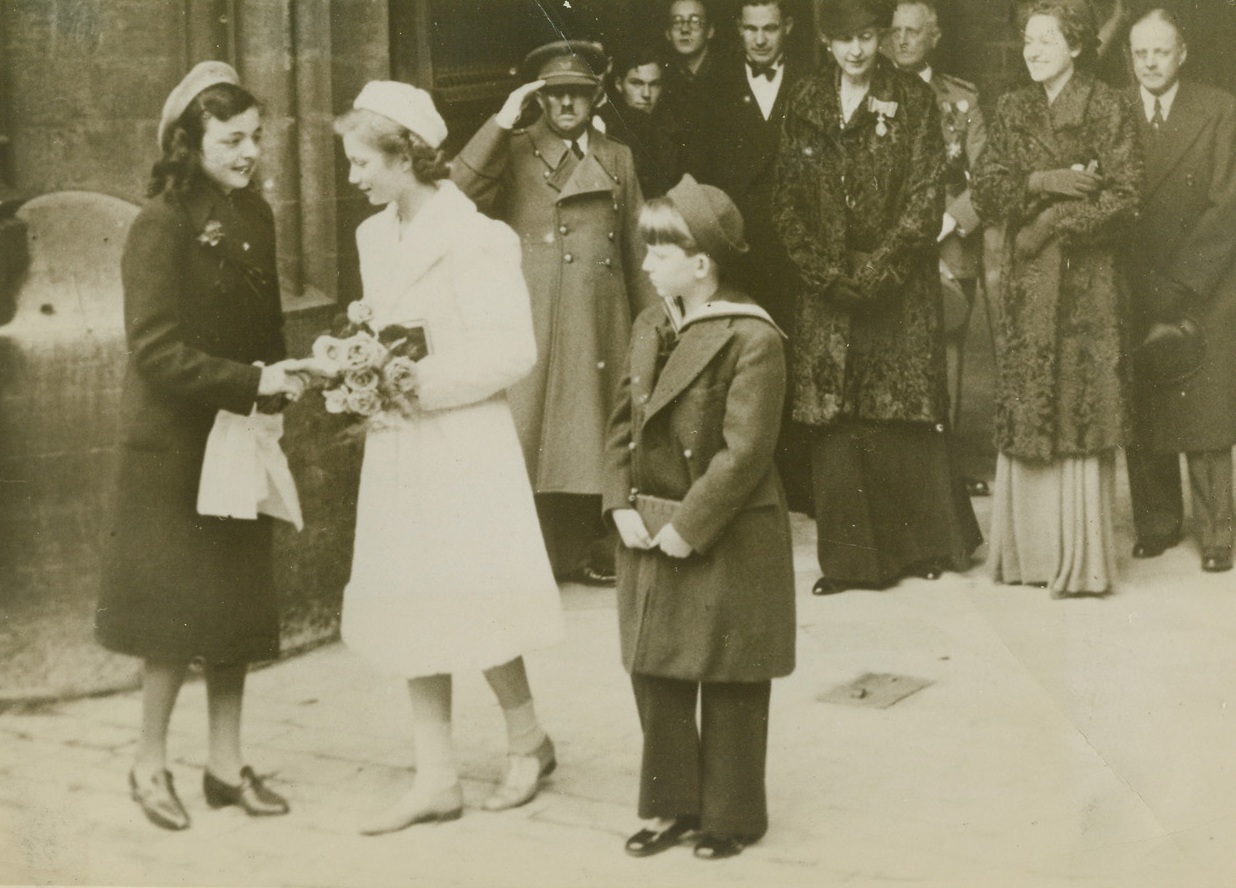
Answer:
(865, 199)
(576, 220)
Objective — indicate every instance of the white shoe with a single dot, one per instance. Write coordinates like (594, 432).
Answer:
(523, 776)
(417, 806)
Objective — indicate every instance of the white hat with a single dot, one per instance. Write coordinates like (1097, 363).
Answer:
(204, 75)
(405, 104)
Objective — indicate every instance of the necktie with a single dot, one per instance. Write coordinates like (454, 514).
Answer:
(576, 150)
(1156, 119)
(769, 71)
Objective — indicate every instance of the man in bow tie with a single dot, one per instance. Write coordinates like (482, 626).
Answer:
(571, 194)
(910, 43)
(1183, 270)
(734, 147)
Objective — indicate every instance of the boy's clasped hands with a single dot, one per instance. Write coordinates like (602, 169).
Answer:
(636, 536)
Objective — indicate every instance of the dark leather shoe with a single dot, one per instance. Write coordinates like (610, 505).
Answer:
(596, 576)
(159, 801)
(257, 799)
(647, 842)
(718, 846)
(825, 586)
(1152, 547)
(1217, 560)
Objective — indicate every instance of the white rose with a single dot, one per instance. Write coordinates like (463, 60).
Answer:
(336, 399)
(359, 312)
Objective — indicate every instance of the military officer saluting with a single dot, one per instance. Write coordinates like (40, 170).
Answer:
(910, 43)
(571, 194)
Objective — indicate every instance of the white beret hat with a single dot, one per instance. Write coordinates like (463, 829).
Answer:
(204, 74)
(405, 104)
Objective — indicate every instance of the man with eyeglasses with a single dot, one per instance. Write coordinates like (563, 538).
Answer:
(691, 64)
(571, 194)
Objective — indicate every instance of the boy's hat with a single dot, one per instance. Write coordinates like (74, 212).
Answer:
(714, 221)
(566, 63)
(408, 106)
(202, 76)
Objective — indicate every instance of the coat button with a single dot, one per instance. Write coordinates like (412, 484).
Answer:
(687, 453)
(644, 398)
(562, 229)
(630, 445)
(536, 152)
(545, 174)
(600, 365)
(608, 263)
(549, 237)
(939, 427)
(568, 258)
(611, 235)
(635, 379)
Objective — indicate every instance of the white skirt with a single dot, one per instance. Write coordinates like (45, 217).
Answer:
(1051, 523)
(449, 570)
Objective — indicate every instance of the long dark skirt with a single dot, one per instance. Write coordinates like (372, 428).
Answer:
(888, 498)
(177, 585)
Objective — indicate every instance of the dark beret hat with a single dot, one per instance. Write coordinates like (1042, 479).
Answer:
(840, 18)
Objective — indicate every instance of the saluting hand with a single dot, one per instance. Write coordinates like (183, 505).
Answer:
(515, 103)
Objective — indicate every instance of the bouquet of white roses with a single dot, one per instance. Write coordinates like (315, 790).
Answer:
(375, 371)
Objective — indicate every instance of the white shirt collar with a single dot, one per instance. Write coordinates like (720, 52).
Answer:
(1165, 100)
(582, 140)
(766, 90)
(926, 74)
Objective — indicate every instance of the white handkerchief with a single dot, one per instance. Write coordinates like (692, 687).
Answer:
(245, 471)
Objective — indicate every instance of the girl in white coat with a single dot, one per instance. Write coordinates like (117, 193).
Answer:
(449, 570)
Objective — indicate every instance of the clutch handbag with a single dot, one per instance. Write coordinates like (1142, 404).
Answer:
(656, 511)
(1171, 352)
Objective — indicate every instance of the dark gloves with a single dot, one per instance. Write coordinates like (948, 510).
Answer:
(1034, 235)
(1065, 183)
(845, 293)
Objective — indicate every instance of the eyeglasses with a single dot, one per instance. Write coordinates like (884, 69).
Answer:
(690, 22)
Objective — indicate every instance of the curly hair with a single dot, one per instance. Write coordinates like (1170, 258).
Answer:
(1077, 25)
(181, 164)
(395, 141)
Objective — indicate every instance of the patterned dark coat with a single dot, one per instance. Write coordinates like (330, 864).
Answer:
(1060, 371)
(865, 200)
(197, 315)
(1187, 234)
(702, 432)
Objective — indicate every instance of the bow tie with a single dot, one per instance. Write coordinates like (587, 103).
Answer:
(769, 70)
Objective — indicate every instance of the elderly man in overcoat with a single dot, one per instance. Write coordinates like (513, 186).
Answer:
(1183, 264)
(571, 194)
(911, 43)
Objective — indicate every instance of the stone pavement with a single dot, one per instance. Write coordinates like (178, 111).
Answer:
(1060, 743)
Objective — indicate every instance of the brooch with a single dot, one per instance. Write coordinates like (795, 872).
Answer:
(211, 234)
(884, 111)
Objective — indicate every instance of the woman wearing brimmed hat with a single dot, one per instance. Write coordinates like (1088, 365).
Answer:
(858, 202)
(705, 573)
(449, 571)
(202, 311)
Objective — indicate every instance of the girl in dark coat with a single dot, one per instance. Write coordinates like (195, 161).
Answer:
(705, 573)
(1062, 172)
(858, 201)
(202, 311)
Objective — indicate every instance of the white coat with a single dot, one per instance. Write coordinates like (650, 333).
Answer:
(449, 570)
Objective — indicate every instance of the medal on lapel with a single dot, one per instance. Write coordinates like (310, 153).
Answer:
(884, 111)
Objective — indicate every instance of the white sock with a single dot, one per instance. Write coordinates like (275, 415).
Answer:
(435, 756)
(523, 731)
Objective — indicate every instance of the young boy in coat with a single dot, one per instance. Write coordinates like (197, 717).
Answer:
(705, 573)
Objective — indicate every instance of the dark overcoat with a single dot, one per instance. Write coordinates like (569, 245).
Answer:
(198, 315)
(702, 432)
(1060, 371)
(655, 142)
(1187, 235)
(735, 148)
(865, 199)
(577, 224)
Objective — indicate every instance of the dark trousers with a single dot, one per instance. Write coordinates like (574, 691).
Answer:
(1158, 496)
(576, 534)
(714, 770)
(955, 352)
